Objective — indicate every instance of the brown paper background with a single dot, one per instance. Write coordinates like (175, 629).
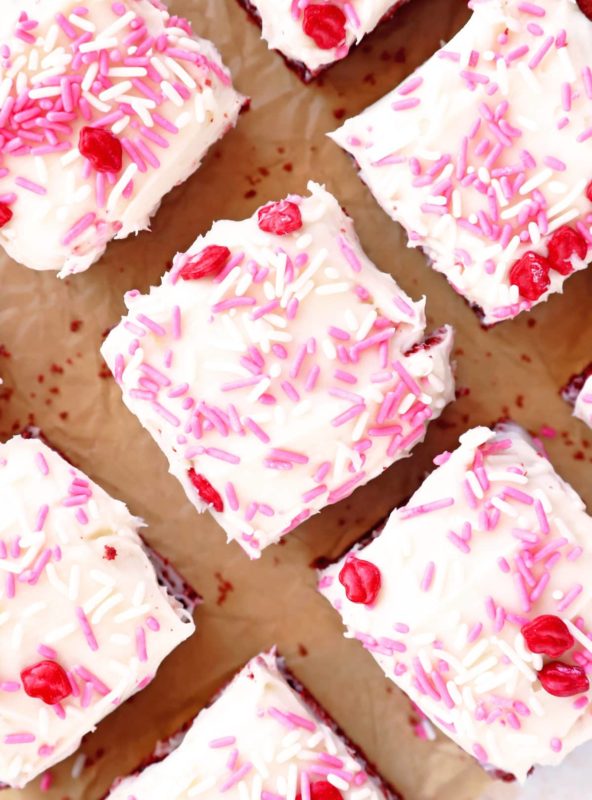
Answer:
(516, 369)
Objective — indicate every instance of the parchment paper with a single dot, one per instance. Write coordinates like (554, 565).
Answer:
(54, 377)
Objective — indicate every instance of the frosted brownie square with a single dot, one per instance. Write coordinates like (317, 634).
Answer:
(484, 153)
(277, 368)
(85, 620)
(578, 393)
(312, 36)
(104, 108)
(265, 737)
(475, 600)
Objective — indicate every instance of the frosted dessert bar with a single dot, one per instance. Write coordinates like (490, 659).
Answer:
(265, 737)
(475, 600)
(85, 619)
(312, 36)
(277, 368)
(578, 393)
(482, 154)
(104, 108)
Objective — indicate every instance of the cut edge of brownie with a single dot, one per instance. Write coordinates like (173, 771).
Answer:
(300, 69)
(164, 747)
(575, 384)
(167, 575)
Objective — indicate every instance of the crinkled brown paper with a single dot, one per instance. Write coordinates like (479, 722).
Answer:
(55, 376)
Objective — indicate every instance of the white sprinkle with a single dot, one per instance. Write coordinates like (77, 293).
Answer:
(78, 766)
(183, 120)
(58, 634)
(536, 181)
(504, 507)
(132, 613)
(95, 102)
(119, 187)
(514, 658)
(180, 72)
(169, 90)
(74, 583)
(89, 76)
(115, 91)
(44, 91)
(101, 43)
(119, 24)
(126, 72)
(51, 39)
(482, 667)
(82, 23)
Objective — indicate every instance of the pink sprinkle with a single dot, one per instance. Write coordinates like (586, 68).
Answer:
(19, 738)
(141, 643)
(89, 677)
(10, 686)
(86, 629)
(428, 577)
(41, 517)
(570, 597)
(410, 85)
(78, 228)
(407, 103)
(46, 781)
(556, 744)
(24, 183)
(480, 753)
(152, 624)
(532, 8)
(436, 505)
(230, 492)
(225, 741)
(236, 777)
(41, 463)
(311, 494)
(475, 632)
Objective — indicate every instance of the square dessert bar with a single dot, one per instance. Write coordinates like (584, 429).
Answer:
(484, 154)
(312, 36)
(277, 368)
(578, 393)
(265, 737)
(475, 600)
(85, 621)
(104, 108)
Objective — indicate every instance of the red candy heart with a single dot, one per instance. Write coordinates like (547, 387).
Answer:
(279, 218)
(46, 681)
(206, 491)
(585, 8)
(563, 680)
(322, 790)
(361, 580)
(101, 148)
(210, 261)
(549, 635)
(531, 275)
(325, 24)
(563, 244)
(5, 214)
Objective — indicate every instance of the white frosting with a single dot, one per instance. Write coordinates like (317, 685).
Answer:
(56, 570)
(248, 363)
(281, 25)
(495, 671)
(72, 193)
(583, 407)
(431, 114)
(281, 752)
